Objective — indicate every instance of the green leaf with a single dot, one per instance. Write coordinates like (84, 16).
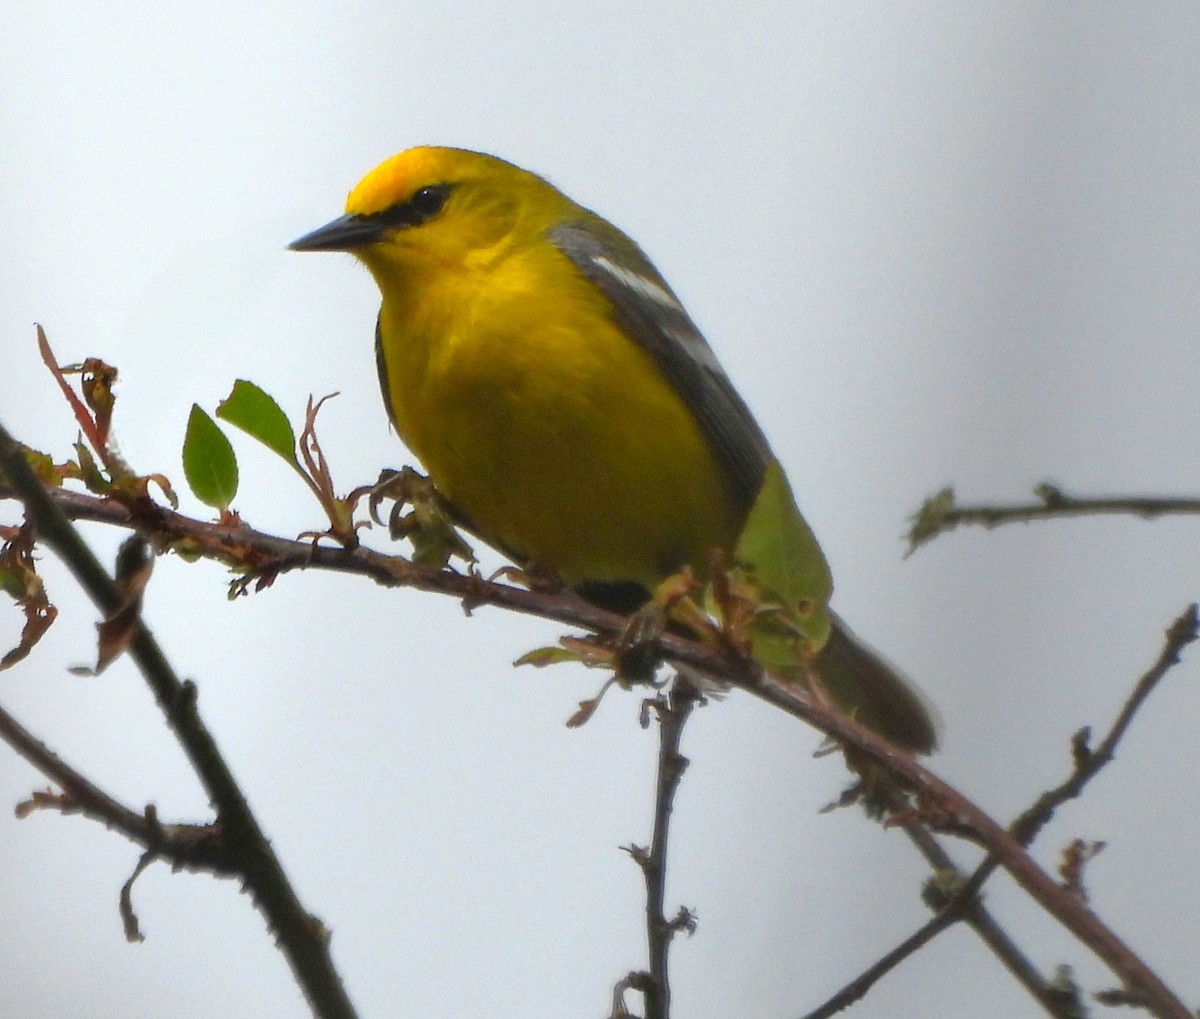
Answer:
(257, 414)
(89, 471)
(783, 558)
(208, 461)
(43, 466)
(543, 656)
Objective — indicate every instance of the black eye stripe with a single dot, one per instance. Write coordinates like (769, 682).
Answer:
(424, 204)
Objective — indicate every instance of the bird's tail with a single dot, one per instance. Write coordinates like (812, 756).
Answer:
(866, 685)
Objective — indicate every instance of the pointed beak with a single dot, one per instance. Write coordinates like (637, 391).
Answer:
(344, 234)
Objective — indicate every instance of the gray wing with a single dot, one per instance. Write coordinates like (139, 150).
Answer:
(648, 311)
(381, 368)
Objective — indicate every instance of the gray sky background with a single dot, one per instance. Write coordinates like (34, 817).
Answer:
(933, 243)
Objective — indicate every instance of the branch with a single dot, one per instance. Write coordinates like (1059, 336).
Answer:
(302, 938)
(673, 709)
(940, 514)
(192, 846)
(949, 909)
(965, 904)
(261, 557)
(1088, 763)
(970, 821)
(243, 546)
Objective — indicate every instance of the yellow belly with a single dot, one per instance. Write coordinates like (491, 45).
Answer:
(553, 432)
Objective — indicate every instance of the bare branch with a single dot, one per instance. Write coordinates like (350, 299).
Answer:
(193, 847)
(302, 938)
(964, 902)
(940, 513)
(971, 821)
(673, 709)
(1088, 763)
(953, 897)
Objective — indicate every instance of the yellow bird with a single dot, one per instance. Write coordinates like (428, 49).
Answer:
(559, 395)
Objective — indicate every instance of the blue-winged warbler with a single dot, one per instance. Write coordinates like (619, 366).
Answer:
(560, 397)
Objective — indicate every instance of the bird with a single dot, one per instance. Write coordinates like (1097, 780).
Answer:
(562, 400)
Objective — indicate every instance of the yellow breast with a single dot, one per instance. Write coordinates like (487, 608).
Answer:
(553, 432)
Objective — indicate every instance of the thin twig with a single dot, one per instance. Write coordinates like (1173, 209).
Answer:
(673, 709)
(861, 984)
(968, 905)
(1088, 763)
(940, 513)
(964, 904)
(302, 938)
(192, 846)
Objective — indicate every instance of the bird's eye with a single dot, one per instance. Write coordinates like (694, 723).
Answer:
(420, 207)
(428, 201)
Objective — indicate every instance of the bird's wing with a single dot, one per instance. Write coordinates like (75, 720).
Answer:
(649, 312)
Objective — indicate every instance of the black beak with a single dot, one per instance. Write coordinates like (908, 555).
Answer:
(344, 234)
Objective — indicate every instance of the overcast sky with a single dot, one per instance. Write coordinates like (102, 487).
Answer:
(932, 243)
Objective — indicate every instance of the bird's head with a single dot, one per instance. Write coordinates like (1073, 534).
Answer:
(440, 208)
